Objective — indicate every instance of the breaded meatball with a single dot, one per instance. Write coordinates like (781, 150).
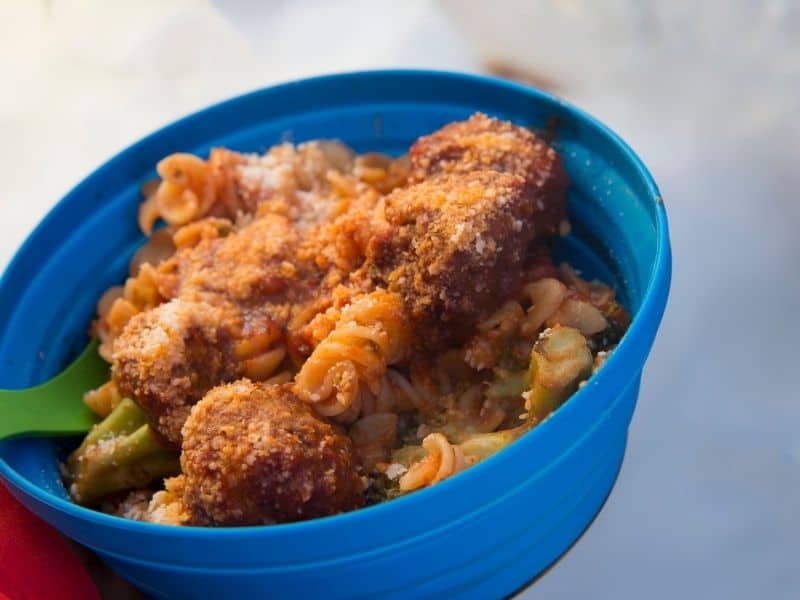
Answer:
(453, 249)
(167, 358)
(254, 453)
(483, 143)
(253, 268)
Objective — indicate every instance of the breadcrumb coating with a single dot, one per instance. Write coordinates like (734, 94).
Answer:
(168, 357)
(455, 245)
(482, 143)
(255, 454)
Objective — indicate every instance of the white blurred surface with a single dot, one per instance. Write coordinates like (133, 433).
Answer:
(83, 79)
(707, 502)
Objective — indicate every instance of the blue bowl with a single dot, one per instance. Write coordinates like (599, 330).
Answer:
(483, 533)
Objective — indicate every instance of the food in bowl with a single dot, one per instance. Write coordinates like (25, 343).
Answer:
(315, 330)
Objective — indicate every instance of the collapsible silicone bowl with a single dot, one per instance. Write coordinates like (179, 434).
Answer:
(482, 533)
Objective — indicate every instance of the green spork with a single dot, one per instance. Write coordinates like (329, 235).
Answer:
(56, 407)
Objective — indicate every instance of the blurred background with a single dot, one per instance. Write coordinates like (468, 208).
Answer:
(708, 93)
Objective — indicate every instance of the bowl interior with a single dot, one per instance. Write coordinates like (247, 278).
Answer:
(48, 294)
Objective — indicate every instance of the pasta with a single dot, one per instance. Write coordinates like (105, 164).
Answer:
(443, 460)
(545, 295)
(310, 330)
(118, 305)
(261, 356)
(373, 436)
(103, 399)
(484, 349)
(396, 394)
(191, 188)
(352, 359)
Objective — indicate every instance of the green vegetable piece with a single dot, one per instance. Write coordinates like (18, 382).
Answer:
(560, 360)
(482, 445)
(119, 453)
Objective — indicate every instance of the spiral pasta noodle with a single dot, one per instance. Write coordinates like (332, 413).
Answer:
(229, 183)
(478, 413)
(400, 393)
(553, 303)
(381, 171)
(119, 304)
(191, 188)
(208, 228)
(104, 399)
(261, 354)
(370, 334)
(484, 349)
(545, 295)
(442, 461)
(372, 437)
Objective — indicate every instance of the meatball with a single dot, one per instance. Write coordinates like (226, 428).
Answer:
(453, 248)
(167, 358)
(251, 266)
(483, 143)
(255, 454)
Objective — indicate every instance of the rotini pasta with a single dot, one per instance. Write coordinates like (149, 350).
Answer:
(545, 295)
(582, 315)
(261, 354)
(371, 334)
(209, 228)
(191, 188)
(229, 184)
(103, 399)
(484, 350)
(118, 305)
(396, 395)
(442, 461)
(373, 436)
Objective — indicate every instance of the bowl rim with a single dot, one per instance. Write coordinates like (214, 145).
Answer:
(653, 303)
